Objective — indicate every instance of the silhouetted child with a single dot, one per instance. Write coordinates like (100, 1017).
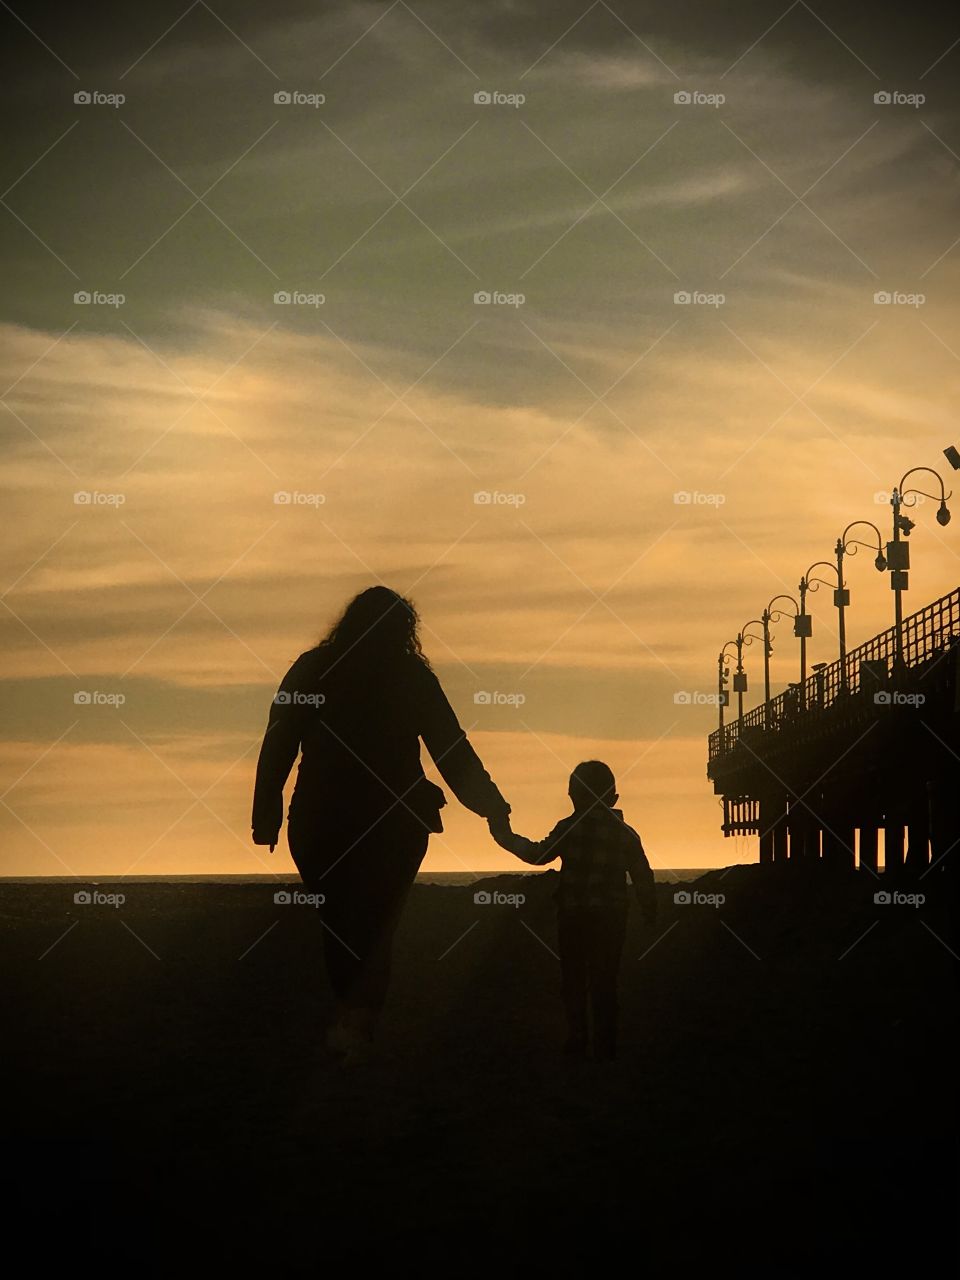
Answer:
(597, 850)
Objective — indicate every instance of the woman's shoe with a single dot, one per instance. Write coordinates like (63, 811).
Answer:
(339, 1038)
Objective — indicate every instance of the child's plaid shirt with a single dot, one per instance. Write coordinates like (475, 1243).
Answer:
(596, 849)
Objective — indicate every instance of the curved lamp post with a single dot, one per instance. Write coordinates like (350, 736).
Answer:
(847, 545)
(898, 551)
(810, 582)
(723, 697)
(745, 637)
(772, 614)
(803, 629)
(739, 676)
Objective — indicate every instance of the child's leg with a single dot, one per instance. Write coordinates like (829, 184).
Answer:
(571, 936)
(606, 938)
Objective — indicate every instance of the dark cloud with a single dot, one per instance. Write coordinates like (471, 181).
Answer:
(894, 39)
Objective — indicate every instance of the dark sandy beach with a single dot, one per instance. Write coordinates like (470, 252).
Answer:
(783, 1098)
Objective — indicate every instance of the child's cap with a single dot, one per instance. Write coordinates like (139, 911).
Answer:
(592, 782)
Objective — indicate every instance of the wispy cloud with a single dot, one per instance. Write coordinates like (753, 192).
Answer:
(682, 393)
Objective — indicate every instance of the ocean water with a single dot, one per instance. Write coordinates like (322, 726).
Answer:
(668, 875)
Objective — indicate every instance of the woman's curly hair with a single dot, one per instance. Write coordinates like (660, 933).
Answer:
(377, 625)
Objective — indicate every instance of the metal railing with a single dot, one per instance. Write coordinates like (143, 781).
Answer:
(866, 671)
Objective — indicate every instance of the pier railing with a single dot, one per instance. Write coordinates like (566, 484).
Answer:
(867, 673)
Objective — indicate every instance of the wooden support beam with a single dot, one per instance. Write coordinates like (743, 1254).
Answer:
(780, 839)
(773, 828)
(918, 841)
(795, 834)
(804, 836)
(945, 826)
(869, 846)
(768, 819)
(838, 847)
(893, 836)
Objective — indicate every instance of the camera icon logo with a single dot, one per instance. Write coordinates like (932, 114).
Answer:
(682, 698)
(81, 298)
(482, 898)
(282, 498)
(682, 97)
(682, 897)
(82, 698)
(482, 698)
(482, 98)
(882, 699)
(482, 298)
(682, 298)
(483, 498)
(882, 98)
(82, 98)
(282, 98)
(282, 897)
(281, 298)
(282, 698)
(882, 298)
(82, 898)
(882, 898)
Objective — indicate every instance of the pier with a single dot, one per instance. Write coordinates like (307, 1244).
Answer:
(858, 765)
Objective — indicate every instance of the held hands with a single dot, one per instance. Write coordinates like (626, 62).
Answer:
(271, 839)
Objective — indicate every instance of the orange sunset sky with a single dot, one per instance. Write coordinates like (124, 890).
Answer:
(658, 468)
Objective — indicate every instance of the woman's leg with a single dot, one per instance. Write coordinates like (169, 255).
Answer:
(365, 881)
(319, 856)
(389, 867)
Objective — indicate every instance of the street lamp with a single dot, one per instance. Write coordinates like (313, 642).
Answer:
(772, 614)
(898, 551)
(803, 629)
(846, 545)
(813, 584)
(748, 638)
(723, 697)
(739, 676)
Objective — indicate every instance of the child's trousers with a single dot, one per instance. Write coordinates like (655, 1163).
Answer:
(591, 943)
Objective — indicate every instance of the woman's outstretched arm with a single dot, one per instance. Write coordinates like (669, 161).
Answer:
(279, 750)
(536, 852)
(459, 764)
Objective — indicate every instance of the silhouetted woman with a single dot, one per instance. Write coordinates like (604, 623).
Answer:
(356, 707)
